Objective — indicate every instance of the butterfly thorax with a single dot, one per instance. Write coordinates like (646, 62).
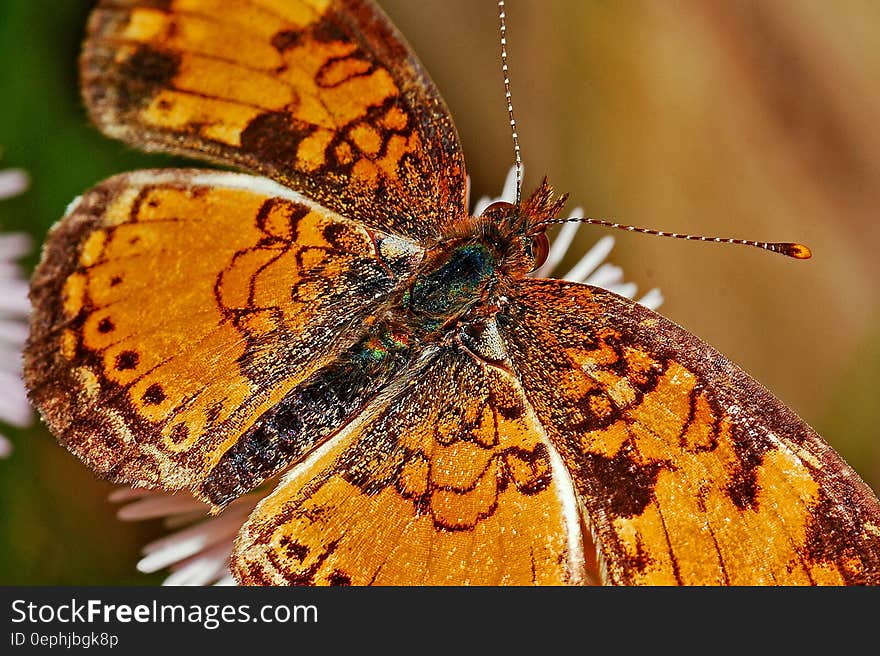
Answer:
(464, 273)
(453, 278)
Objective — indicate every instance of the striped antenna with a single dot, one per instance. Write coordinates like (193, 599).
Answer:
(516, 152)
(797, 251)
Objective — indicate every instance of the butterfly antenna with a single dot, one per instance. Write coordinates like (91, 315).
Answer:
(502, 17)
(797, 251)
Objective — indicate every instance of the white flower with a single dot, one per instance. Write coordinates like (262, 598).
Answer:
(197, 551)
(14, 308)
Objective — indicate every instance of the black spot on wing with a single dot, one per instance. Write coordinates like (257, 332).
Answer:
(623, 485)
(338, 577)
(750, 449)
(274, 138)
(286, 39)
(325, 31)
(145, 73)
(154, 394)
(127, 360)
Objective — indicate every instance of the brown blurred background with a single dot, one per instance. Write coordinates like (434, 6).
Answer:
(720, 117)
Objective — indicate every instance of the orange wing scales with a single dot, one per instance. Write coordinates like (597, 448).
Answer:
(689, 471)
(172, 309)
(446, 482)
(310, 96)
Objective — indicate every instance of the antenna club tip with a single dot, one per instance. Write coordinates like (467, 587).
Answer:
(797, 251)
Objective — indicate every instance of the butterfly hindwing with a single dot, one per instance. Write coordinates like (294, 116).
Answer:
(322, 96)
(687, 470)
(446, 480)
(175, 311)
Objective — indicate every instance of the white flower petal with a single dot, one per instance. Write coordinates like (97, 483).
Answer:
(13, 332)
(14, 406)
(605, 275)
(481, 205)
(652, 300)
(189, 541)
(10, 360)
(13, 182)
(184, 519)
(581, 271)
(204, 569)
(125, 493)
(161, 505)
(15, 245)
(508, 192)
(14, 297)
(14, 308)
(5, 447)
(626, 289)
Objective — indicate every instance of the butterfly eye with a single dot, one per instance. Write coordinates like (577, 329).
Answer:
(540, 248)
(498, 210)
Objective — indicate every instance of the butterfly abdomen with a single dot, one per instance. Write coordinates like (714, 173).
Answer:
(310, 413)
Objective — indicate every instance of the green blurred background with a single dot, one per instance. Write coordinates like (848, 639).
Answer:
(748, 119)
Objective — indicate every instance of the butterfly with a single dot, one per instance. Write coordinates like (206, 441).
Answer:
(334, 317)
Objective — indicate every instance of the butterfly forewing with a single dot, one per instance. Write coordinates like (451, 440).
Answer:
(687, 470)
(323, 96)
(176, 311)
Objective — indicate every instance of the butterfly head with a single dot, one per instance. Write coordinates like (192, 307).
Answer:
(522, 230)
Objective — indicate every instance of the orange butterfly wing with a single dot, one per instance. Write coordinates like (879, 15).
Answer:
(448, 480)
(175, 311)
(686, 469)
(260, 288)
(325, 97)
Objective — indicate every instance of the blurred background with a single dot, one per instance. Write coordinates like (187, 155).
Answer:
(733, 118)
